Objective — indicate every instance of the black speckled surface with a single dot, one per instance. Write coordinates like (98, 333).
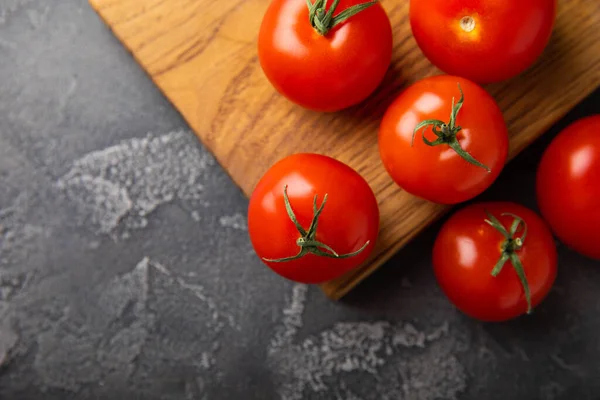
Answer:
(126, 272)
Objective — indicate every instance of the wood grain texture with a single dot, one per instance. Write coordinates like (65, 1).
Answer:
(202, 55)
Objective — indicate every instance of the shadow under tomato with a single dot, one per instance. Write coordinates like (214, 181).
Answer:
(373, 107)
(395, 282)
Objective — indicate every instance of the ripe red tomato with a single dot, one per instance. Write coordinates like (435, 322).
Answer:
(325, 69)
(568, 186)
(483, 40)
(323, 191)
(463, 158)
(469, 251)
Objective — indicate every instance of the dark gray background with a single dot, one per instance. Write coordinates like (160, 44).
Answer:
(126, 271)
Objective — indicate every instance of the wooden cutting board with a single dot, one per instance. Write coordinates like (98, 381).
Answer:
(202, 55)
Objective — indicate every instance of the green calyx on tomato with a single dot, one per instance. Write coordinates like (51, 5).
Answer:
(446, 132)
(510, 248)
(323, 21)
(307, 241)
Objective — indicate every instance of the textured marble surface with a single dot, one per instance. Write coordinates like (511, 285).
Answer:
(126, 271)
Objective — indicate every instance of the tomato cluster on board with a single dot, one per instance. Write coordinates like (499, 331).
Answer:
(312, 218)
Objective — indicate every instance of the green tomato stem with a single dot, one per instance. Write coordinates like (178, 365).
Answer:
(307, 242)
(509, 250)
(446, 133)
(323, 20)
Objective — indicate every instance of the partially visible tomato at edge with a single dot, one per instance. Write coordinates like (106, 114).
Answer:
(483, 40)
(467, 249)
(349, 220)
(439, 174)
(568, 186)
(324, 72)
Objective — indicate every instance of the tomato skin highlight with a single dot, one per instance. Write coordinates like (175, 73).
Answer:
(467, 248)
(438, 173)
(349, 219)
(502, 39)
(568, 186)
(324, 73)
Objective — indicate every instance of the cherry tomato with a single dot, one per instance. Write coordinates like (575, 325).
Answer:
(440, 145)
(568, 186)
(483, 40)
(336, 212)
(328, 68)
(491, 258)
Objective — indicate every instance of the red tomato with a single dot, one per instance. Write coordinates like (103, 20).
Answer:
(325, 71)
(475, 129)
(483, 40)
(469, 251)
(568, 186)
(346, 211)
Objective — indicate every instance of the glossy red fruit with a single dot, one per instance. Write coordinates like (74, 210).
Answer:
(337, 218)
(480, 252)
(325, 69)
(483, 40)
(568, 186)
(468, 152)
